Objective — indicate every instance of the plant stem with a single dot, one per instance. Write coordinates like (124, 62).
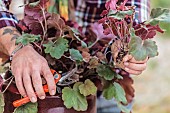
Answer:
(93, 43)
(44, 28)
(38, 46)
(8, 84)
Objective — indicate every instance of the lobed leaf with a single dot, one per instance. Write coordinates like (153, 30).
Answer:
(93, 63)
(73, 98)
(76, 55)
(119, 14)
(114, 90)
(88, 88)
(147, 31)
(106, 72)
(140, 50)
(109, 91)
(25, 39)
(57, 49)
(119, 93)
(159, 15)
(27, 108)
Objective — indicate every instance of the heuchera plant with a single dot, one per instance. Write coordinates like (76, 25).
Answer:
(82, 58)
(131, 37)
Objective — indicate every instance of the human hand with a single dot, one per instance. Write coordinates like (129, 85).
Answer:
(27, 67)
(134, 67)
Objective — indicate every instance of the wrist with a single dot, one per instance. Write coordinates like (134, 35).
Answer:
(19, 48)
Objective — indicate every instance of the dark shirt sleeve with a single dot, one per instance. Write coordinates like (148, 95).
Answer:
(6, 18)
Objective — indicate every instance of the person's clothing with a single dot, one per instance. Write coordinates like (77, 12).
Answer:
(109, 106)
(86, 11)
(6, 18)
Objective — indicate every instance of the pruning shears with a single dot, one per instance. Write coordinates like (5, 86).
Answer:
(25, 100)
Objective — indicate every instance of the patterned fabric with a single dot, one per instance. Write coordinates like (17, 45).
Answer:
(6, 18)
(88, 11)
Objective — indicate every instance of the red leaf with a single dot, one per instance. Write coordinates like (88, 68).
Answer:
(98, 30)
(111, 4)
(147, 31)
(105, 12)
(102, 20)
(151, 34)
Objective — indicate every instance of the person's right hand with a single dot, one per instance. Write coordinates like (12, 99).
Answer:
(27, 67)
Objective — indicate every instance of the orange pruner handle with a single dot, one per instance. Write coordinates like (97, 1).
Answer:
(26, 99)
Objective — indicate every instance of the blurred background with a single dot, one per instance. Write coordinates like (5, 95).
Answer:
(153, 86)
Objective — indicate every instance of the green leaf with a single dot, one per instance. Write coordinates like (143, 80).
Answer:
(57, 49)
(105, 72)
(88, 88)
(109, 91)
(2, 104)
(119, 14)
(27, 108)
(119, 93)
(83, 44)
(25, 39)
(160, 15)
(114, 90)
(140, 49)
(34, 4)
(73, 98)
(75, 55)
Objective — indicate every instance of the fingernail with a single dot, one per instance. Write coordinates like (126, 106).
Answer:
(126, 69)
(42, 97)
(33, 99)
(52, 92)
(126, 64)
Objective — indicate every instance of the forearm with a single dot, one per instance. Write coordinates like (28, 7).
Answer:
(7, 39)
(8, 31)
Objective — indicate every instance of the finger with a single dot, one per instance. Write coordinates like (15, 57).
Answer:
(137, 67)
(18, 80)
(127, 58)
(133, 60)
(20, 85)
(50, 79)
(37, 83)
(28, 87)
(133, 72)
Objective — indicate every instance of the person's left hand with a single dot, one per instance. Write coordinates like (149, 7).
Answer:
(134, 67)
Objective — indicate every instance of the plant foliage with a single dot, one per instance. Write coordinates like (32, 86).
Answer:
(81, 58)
